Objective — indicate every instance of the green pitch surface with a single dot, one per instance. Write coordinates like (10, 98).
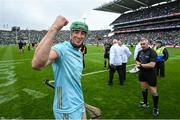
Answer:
(23, 94)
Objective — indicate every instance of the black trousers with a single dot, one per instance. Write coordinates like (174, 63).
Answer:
(124, 71)
(160, 68)
(112, 71)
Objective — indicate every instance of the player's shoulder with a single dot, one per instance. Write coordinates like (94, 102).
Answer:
(140, 51)
(153, 52)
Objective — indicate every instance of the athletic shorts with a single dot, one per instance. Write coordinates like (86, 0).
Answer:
(149, 77)
(21, 47)
(106, 55)
(75, 115)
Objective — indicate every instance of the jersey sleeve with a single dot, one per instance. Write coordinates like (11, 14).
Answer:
(128, 52)
(153, 56)
(137, 58)
(59, 48)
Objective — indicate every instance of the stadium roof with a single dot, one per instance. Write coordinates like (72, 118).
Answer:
(121, 6)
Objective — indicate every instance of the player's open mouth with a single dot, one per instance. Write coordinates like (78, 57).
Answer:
(78, 41)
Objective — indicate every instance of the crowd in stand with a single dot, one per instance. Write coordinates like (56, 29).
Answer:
(153, 26)
(32, 36)
(97, 36)
(160, 10)
(168, 37)
(127, 27)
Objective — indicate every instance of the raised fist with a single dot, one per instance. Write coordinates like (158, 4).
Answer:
(59, 22)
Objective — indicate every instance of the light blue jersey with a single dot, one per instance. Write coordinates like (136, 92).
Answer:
(67, 74)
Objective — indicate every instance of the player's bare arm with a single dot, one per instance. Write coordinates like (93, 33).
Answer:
(42, 56)
(149, 65)
(138, 63)
(52, 56)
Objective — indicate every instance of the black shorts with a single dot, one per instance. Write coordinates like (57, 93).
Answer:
(149, 77)
(21, 47)
(106, 55)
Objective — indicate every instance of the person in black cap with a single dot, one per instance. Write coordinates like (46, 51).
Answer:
(162, 56)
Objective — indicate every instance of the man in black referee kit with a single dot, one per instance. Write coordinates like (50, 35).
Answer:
(146, 61)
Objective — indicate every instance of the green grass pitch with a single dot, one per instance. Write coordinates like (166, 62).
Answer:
(23, 94)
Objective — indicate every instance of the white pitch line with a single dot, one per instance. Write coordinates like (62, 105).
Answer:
(91, 73)
(20, 60)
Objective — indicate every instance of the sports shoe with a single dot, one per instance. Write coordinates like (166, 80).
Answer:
(155, 112)
(134, 70)
(143, 105)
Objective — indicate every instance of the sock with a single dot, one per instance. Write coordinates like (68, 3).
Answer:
(105, 64)
(145, 94)
(155, 100)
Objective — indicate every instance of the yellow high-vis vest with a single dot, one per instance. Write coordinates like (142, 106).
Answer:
(160, 55)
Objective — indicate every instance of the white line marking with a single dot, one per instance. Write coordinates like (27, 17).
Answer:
(20, 60)
(33, 93)
(91, 73)
(7, 98)
(7, 74)
(94, 72)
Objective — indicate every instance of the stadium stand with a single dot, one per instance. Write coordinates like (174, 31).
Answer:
(153, 19)
(33, 36)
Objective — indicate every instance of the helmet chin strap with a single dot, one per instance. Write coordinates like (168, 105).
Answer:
(76, 46)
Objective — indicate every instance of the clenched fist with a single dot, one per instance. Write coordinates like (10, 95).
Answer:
(59, 23)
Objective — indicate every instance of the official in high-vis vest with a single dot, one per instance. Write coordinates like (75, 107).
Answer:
(162, 56)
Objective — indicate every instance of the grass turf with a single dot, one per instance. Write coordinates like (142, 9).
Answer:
(24, 95)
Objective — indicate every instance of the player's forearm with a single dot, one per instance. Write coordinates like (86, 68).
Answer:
(138, 63)
(148, 65)
(42, 51)
(41, 55)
